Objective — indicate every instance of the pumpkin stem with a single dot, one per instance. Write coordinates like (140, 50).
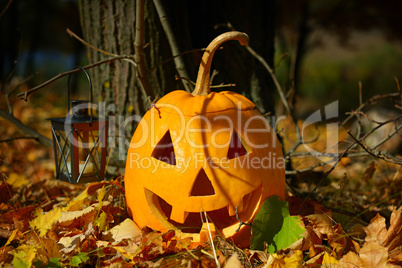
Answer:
(202, 86)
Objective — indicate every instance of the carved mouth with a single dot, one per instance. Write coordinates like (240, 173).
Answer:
(192, 222)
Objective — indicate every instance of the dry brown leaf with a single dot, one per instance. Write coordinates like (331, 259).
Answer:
(372, 254)
(68, 243)
(339, 241)
(233, 262)
(396, 257)
(368, 173)
(394, 234)
(125, 230)
(129, 250)
(376, 231)
(350, 260)
(321, 224)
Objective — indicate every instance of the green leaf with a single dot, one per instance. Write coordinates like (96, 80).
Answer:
(81, 257)
(54, 263)
(23, 256)
(291, 231)
(275, 226)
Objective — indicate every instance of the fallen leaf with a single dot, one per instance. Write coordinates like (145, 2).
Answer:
(350, 260)
(23, 256)
(368, 173)
(274, 225)
(394, 233)
(372, 254)
(233, 262)
(376, 231)
(6, 192)
(339, 241)
(129, 250)
(44, 221)
(17, 180)
(329, 261)
(11, 238)
(78, 202)
(320, 223)
(79, 259)
(125, 230)
(68, 243)
(101, 221)
(293, 259)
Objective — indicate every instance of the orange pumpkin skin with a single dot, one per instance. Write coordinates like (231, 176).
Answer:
(168, 189)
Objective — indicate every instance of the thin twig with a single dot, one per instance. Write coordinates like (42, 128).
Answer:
(6, 8)
(271, 72)
(216, 86)
(175, 56)
(370, 101)
(379, 155)
(24, 95)
(106, 53)
(180, 66)
(19, 138)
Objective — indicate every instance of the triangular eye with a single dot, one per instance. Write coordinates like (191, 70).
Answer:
(164, 150)
(237, 146)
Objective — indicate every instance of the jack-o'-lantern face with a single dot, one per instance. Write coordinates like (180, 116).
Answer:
(211, 153)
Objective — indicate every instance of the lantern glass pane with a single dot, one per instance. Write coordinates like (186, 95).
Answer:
(64, 155)
(89, 153)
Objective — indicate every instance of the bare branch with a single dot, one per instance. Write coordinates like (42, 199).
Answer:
(6, 7)
(370, 101)
(180, 66)
(25, 129)
(24, 95)
(71, 33)
(175, 56)
(19, 138)
(381, 155)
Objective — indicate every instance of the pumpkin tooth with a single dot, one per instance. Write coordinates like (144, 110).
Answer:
(232, 209)
(206, 230)
(178, 215)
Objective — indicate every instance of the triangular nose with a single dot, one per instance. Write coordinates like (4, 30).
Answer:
(202, 185)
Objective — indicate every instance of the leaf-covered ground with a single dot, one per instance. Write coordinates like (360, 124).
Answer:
(352, 218)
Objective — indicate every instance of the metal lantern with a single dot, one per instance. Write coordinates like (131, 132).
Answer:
(79, 141)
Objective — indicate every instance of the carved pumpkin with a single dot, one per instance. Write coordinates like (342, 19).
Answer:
(203, 152)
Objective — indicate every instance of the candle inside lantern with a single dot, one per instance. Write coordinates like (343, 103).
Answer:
(89, 167)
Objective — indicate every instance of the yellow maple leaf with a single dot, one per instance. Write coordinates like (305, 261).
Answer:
(44, 221)
(78, 202)
(293, 259)
(17, 180)
(329, 261)
(23, 255)
(101, 195)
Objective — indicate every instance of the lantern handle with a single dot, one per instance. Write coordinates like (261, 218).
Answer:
(90, 90)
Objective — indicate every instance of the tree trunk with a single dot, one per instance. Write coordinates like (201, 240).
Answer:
(110, 26)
